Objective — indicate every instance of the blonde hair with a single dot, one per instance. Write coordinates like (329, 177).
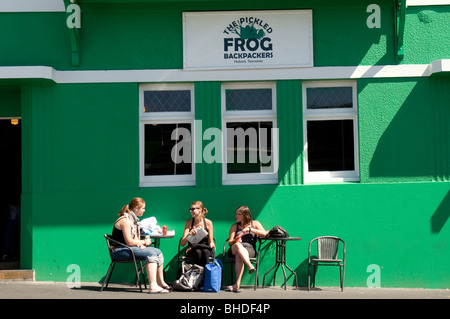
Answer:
(135, 202)
(199, 203)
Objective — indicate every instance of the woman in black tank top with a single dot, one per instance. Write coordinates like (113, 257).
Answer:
(126, 231)
(242, 240)
(200, 252)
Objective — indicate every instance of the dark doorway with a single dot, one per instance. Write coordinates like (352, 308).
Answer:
(10, 192)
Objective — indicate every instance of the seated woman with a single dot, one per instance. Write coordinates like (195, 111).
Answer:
(126, 231)
(242, 240)
(200, 252)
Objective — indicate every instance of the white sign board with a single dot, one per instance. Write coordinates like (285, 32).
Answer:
(247, 39)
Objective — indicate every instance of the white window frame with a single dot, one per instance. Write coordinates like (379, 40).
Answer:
(331, 114)
(146, 118)
(250, 116)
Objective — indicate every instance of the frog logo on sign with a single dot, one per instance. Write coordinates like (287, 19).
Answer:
(252, 45)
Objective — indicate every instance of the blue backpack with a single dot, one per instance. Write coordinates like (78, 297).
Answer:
(213, 276)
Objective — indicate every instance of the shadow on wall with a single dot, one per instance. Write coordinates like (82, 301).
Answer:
(398, 129)
(405, 129)
(441, 215)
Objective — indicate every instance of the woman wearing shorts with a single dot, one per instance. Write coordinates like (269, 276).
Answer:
(242, 240)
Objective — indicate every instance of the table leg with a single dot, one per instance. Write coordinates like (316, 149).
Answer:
(281, 260)
(278, 262)
(295, 275)
(281, 247)
(264, 278)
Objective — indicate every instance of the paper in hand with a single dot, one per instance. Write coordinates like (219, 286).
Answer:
(201, 233)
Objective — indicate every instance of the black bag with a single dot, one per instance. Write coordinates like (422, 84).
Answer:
(190, 278)
(278, 232)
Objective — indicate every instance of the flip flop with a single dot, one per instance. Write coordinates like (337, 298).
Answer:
(162, 291)
(232, 289)
(251, 270)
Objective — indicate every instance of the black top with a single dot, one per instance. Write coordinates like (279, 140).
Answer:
(117, 234)
(204, 241)
(248, 238)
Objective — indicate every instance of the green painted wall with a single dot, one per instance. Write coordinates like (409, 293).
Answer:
(86, 168)
(81, 152)
(404, 129)
(9, 101)
(149, 36)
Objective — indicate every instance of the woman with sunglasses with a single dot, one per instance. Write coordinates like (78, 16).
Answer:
(201, 251)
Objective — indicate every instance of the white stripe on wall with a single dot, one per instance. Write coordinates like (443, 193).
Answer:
(411, 3)
(177, 75)
(32, 6)
(58, 5)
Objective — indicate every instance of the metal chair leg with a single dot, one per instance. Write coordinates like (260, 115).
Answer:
(108, 275)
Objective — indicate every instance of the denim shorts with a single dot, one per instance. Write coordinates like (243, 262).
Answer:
(148, 254)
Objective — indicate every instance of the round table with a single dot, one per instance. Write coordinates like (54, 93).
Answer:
(155, 238)
(281, 258)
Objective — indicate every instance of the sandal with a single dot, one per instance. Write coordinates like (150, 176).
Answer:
(251, 270)
(162, 291)
(232, 289)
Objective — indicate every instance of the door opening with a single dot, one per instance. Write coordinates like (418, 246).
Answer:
(10, 192)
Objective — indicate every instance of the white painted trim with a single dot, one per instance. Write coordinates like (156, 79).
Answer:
(242, 75)
(58, 5)
(28, 72)
(331, 114)
(249, 116)
(178, 75)
(165, 118)
(439, 66)
(32, 6)
(412, 3)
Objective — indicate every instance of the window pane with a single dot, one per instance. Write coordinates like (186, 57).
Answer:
(329, 97)
(330, 145)
(248, 99)
(249, 147)
(158, 150)
(167, 101)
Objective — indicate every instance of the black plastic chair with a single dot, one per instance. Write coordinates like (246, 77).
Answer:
(226, 259)
(110, 242)
(327, 255)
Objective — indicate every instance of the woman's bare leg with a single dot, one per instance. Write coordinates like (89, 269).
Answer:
(241, 258)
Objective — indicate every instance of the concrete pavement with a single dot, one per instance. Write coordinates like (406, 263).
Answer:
(58, 290)
(268, 303)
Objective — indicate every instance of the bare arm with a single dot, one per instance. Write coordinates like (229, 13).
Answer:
(257, 229)
(125, 226)
(211, 233)
(185, 233)
(231, 235)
